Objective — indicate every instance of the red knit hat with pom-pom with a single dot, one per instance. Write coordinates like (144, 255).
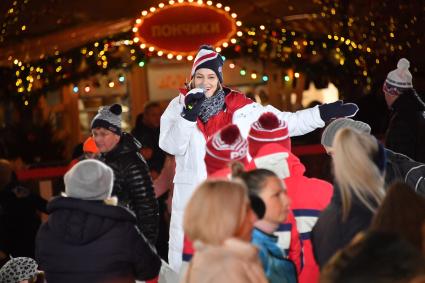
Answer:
(225, 146)
(268, 129)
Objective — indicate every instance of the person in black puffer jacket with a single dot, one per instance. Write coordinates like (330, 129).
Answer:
(133, 184)
(406, 130)
(87, 238)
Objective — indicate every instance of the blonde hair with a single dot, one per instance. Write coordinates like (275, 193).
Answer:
(215, 211)
(355, 170)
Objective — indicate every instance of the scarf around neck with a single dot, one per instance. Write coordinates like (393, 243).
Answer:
(211, 106)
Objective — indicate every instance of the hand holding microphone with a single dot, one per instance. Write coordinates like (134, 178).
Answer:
(193, 102)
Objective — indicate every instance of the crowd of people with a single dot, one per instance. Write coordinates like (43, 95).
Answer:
(242, 208)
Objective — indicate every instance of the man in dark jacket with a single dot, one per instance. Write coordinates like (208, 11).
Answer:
(132, 184)
(88, 238)
(406, 131)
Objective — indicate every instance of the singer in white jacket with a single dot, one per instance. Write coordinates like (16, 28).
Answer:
(198, 112)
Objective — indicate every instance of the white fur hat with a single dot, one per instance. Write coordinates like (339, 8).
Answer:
(400, 77)
(90, 180)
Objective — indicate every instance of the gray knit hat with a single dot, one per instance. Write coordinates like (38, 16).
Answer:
(108, 117)
(90, 180)
(328, 134)
(18, 269)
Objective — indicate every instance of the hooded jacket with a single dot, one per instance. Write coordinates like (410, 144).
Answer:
(89, 241)
(133, 184)
(309, 196)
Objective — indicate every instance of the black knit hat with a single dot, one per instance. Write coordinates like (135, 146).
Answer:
(209, 59)
(108, 117)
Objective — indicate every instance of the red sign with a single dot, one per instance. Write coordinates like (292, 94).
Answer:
(181, 28)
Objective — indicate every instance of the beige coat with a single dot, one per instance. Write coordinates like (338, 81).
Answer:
(235, 262)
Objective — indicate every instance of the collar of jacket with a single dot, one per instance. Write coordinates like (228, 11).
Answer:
(408, 102)
(96, 207)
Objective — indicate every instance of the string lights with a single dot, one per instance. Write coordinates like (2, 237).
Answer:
(356, 45)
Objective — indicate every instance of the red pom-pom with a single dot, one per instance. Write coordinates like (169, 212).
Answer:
(269, 121)
(230, 134)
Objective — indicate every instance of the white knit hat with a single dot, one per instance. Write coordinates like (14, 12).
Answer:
(90, 180)
(400, 77)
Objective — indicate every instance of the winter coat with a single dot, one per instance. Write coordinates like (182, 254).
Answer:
(276, 267)
(235, 261)
(186, 140)
(89, 241)
(400, 167)
(133, 184)
(332, 233)
(309, 196)
(406, 131)
(289, 241)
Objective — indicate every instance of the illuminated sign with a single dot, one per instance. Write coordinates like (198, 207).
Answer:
(179, 28)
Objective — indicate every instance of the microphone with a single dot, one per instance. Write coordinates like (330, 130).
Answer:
(191, 105)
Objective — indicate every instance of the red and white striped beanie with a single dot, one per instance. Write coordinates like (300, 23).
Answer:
(209, 59)
(268, 129)
(225, 146)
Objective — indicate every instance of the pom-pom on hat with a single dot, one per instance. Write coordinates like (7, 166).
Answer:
(329, 132)
(89, 179)
(108, 117)
(209, 59)
(400, 77)
(18, 269)
(268, 129)
(225, 146)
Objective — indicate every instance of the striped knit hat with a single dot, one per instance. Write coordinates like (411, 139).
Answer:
(209, 59)
(108, 117)
(225, 146)
(268, 129)
(400, 77)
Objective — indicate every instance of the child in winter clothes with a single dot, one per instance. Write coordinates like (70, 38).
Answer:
(271, 190)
